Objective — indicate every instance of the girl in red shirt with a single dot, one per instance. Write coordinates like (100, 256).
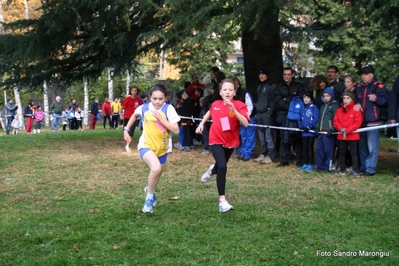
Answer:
(227, 115)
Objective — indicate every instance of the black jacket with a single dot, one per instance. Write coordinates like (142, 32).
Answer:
(393, 107)
(265, 92)
(283, 95)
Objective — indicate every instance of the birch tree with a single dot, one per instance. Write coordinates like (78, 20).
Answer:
(46, 105)
(111, 84)
(86, 101)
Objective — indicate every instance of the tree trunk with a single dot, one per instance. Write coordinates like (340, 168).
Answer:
(262, 48)
(19, 104)
(45, 105)
(86, 101)
(127, 81)
(111, 84)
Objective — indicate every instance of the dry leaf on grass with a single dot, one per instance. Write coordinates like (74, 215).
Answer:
(174, 198)
(94, 210)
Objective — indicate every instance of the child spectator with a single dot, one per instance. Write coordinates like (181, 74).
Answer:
(39, 116)
(205, 132)
(185, 135)
(116, 108)
(64, 118)
(325, 145)
(159, 121)
(347, 120)
(79, 117)
(307, 121)
(71, 118)
(227, 115)
(16, 124)
(106, 112)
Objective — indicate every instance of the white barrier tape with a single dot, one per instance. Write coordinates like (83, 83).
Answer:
(297, 129)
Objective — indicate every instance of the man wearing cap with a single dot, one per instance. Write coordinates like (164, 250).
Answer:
(56, 111)
(10, 114)
(338, 87)
(370, 97)
(264, 116)
(93, 114)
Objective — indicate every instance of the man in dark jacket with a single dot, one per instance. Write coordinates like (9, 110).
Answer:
(283, 95)
(370, 97)
(336, 85)
(264, 116)
(393, 109)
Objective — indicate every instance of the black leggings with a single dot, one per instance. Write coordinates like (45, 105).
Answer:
(343, 146)
(222, 156)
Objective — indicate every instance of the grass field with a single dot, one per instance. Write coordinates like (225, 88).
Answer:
(74, 198)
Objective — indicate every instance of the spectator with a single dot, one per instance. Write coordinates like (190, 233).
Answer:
(283, 95)
(56, 110)
(64, 119)
(193, 86)
(16, 124)
(264, 116)
(307, 121)
(370, 97)
(129, 105)
(93, 114)
(393, 112)
(318, 84)
(10, 114)
(79, 116)
(347, 120)
(29, 115)
(106, 112)
(338, 87)
(39, 116)
(324, 129)
(116, 108)
(248, 134)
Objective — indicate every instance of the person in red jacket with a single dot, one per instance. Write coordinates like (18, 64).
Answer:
(106, 112)
(129, 105)
(346, 120)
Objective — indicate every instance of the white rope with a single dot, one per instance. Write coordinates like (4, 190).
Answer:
(363, 129)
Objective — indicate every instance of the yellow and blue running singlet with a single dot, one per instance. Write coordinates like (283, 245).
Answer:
(156, 134)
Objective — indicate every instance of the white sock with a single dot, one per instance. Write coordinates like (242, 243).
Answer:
(149, 195)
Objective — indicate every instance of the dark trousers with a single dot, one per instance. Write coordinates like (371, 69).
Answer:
(114, 122)
(131, 131)
(308, 151)
(222, 156)
(343, 146)
(325, 148)
(105, 120)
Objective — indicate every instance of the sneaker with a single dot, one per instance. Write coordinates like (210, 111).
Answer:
(196, 142)
(154, 198)
(339, 172)
(303, 167)
(310, 168)
(224, 206)
(187, 148)
(178, 146)
(353, 174)
(266, 160)
(243, 159)
(282, 164)
(204, 151)
(127, 149)
(366, 174)
(260, 158)
(147, 208)
(207, 175)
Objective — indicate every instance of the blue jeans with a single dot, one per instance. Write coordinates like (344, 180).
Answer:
(9, 121)
(369, 144)
(56, 122)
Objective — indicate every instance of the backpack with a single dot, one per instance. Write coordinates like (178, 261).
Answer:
(294, 110)
(39, 116)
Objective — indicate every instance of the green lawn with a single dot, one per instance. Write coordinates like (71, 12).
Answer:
(75, 199)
